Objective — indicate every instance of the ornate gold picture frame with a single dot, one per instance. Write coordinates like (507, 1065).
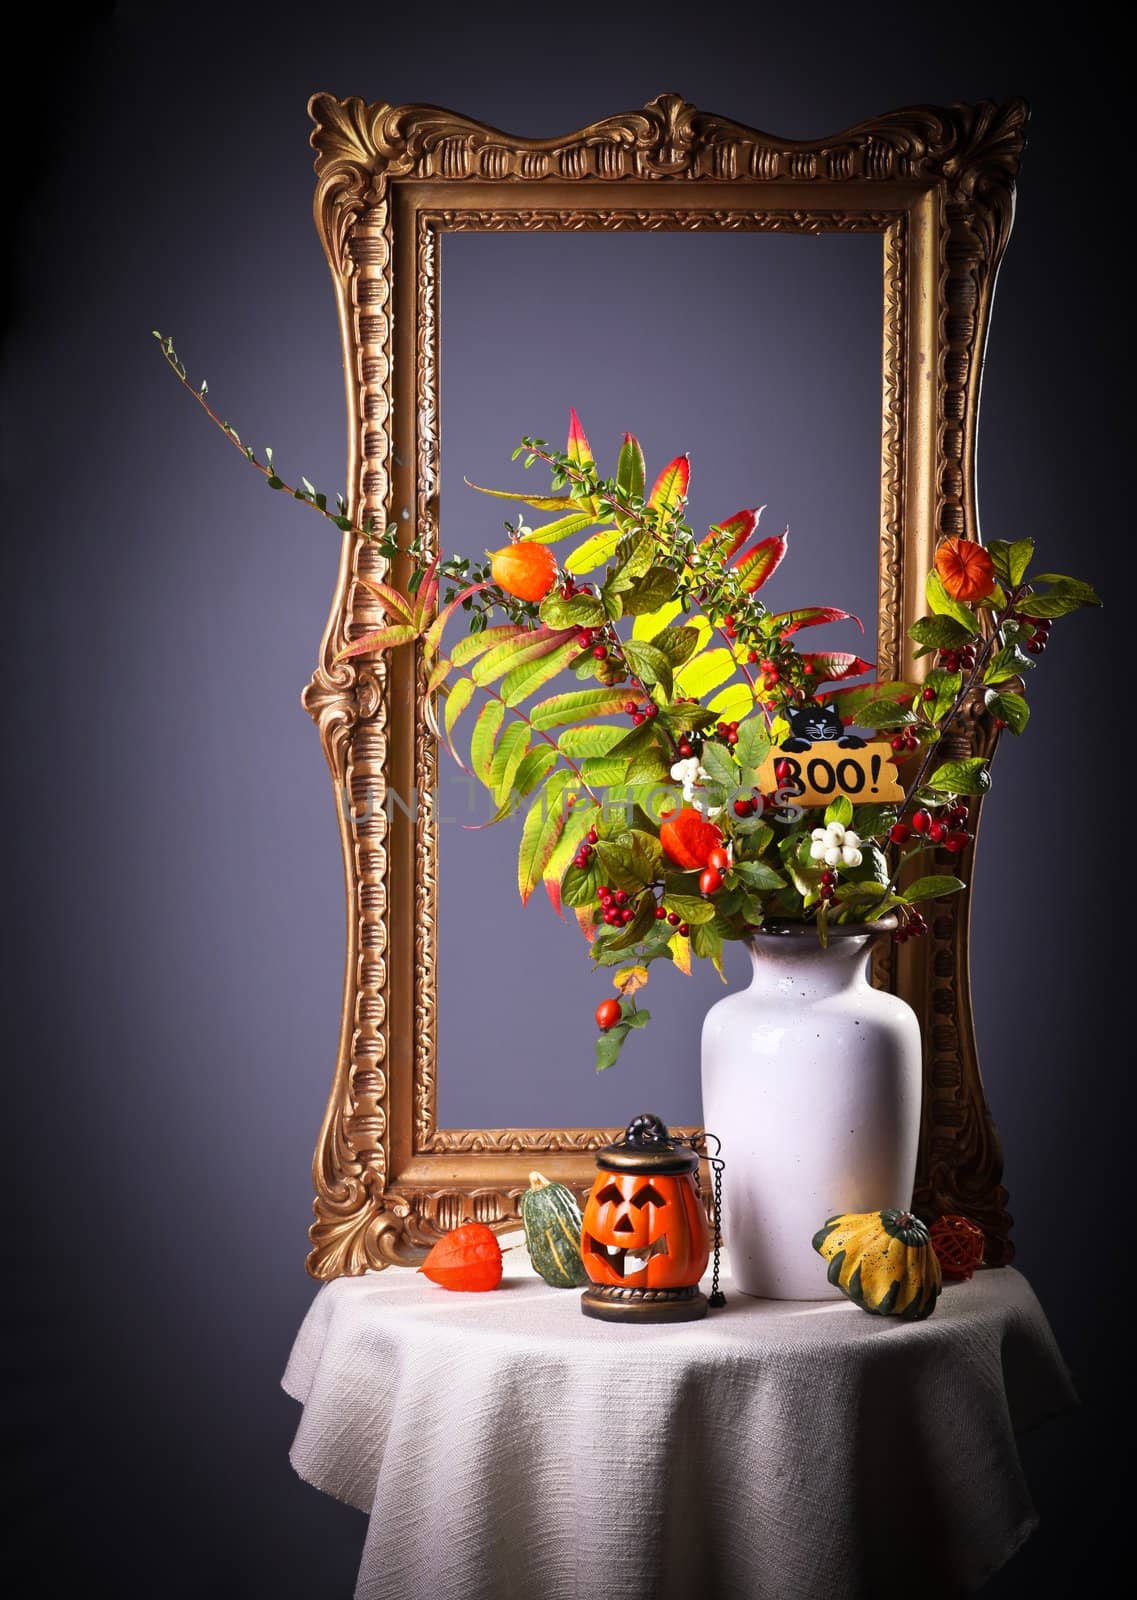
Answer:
(937, 184)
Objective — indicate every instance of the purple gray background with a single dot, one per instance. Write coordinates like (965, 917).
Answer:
(175, 923)
(723, 344)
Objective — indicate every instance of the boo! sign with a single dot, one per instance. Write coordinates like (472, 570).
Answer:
(814, 776)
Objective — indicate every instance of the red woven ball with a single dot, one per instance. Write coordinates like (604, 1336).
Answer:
(959, 1244)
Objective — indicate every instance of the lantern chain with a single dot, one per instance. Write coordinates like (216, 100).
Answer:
(716, 1164)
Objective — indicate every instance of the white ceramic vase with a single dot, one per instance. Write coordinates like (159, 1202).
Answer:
(812, 1080)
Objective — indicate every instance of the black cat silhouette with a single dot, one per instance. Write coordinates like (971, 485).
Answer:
(812, 723)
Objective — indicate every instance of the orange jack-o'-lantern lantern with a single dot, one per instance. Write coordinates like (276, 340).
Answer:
(645, 1241)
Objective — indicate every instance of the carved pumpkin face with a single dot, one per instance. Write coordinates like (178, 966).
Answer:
(645, 1231)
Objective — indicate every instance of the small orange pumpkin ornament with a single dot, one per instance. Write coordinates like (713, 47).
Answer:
(645, 1241)
(468, 1257)
(526, 571)
(959, 1245)
(688, 839)
(966, 570)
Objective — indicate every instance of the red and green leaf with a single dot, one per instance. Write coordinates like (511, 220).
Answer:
(476, 644)
(503, 658)
(427, 595)
(578, 449)
(575, 825)
(381, 639)
(433, 636)
(831, 665)
(669, 490)
(396, 604)
(791, 622)
(760, 564)
(737, 529)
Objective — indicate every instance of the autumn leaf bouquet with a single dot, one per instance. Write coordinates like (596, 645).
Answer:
(613, 675)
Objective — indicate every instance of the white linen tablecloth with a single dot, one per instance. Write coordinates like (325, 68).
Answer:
(505, 1447)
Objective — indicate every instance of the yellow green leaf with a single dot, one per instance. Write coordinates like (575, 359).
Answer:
(704, 672)
(594, 552)
(456, 702)
(562, 528)
(484, 737)
(681, 952)
(439, 673)
(527, 678)
(562, 709)
(544, 824)
(649, 623)
(733, 703)
(511, 750)
(593, 739)
(535, 766)
(539, 502)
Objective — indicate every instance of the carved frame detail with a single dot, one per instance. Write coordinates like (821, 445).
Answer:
(938, 185)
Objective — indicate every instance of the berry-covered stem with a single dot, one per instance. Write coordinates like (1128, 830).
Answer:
(625, 509)
(955, 708)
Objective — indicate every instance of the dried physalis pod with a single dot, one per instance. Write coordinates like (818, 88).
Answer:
(467, 1258)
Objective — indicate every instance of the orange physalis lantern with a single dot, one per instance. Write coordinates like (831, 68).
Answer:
(645, 1241)
(966, 570)
(959, 1244)
(525, 570)
(688, 839)
(467, 1258)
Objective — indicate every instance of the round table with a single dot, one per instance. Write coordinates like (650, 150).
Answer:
(505, 1447)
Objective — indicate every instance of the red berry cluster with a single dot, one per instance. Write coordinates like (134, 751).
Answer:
(913, 927)
(948, 829)
(961, 660)
(690, 744)
(829, 886)
(584, 854)
(673, 919)
(727, 732)
(905, 740)
(611, 670)
(637, 713)
(1037, 642)
(614, 907)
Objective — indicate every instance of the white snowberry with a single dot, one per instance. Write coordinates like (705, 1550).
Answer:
(688, 773)
(835, 845)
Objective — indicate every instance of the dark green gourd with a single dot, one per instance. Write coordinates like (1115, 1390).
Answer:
(552, 1232)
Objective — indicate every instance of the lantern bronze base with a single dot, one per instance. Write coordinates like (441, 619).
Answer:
(612, 1304)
